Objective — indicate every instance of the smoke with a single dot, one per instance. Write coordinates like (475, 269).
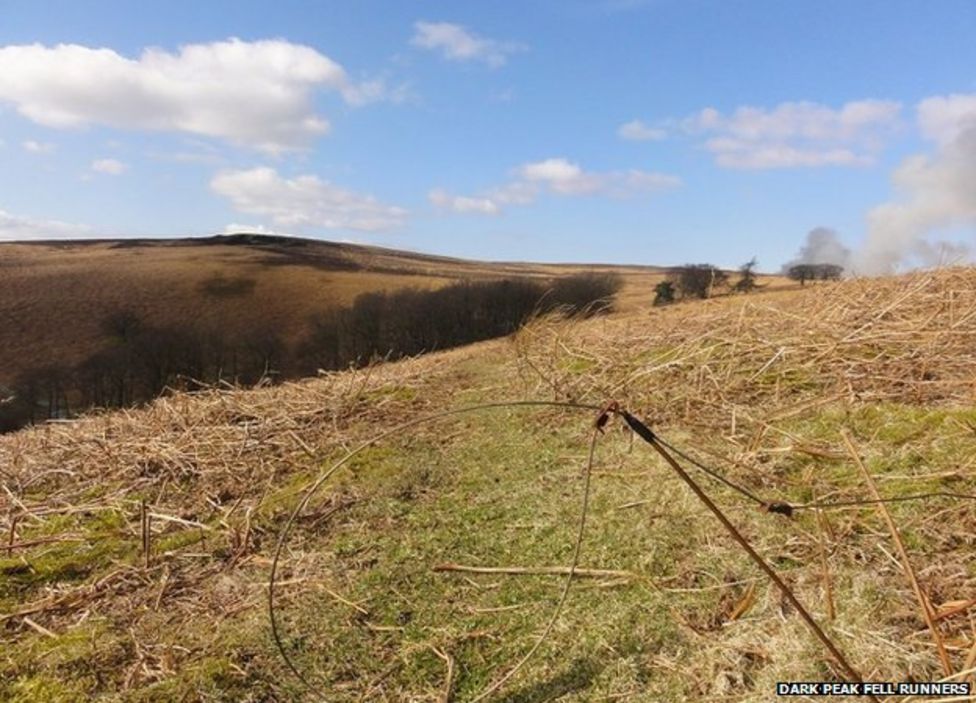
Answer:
(935, 192)
(941, 253)
(822, 246)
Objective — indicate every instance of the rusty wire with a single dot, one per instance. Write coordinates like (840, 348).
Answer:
(315, 485)
(648, 436)
(788, 509)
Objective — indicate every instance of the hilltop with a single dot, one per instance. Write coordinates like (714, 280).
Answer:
(759, 386)
(55, 297)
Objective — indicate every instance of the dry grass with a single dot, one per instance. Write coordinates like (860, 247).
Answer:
(218, 469)
(54, 298)
(761, 385)
(906, 339)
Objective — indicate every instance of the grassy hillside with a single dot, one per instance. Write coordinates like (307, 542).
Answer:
(760, 386)
(55, 297)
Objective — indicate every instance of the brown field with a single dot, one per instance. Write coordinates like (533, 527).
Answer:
(785, 393)
(54, 296)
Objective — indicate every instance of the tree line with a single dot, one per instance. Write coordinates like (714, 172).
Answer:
(140, 360)
(702, 281)
(705, 280)
(814, 272)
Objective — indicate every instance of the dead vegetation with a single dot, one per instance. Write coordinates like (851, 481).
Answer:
(907, 339)
(432, 563)
(54, 297)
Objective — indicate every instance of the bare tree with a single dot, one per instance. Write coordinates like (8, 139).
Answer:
(747, 277)
(698, 280)
(812, 272)
(829, 272)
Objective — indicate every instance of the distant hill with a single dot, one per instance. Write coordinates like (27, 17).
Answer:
(56, 296)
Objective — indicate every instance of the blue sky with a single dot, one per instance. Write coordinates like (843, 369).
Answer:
(627, 131)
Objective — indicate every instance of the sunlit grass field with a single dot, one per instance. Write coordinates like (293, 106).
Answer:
(667, 606)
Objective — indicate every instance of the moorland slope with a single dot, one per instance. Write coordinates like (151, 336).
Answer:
(56, 297)
(761, 387)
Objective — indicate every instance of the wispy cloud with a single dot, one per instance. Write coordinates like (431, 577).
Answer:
(943, 118)
(736, 153)
(257, 94)
(35, 147)
(23, 228)
(456, 43)
(443, 200)
(797, 134)
(111, 167)
(556, 176)
(304, 201)
(636, 130)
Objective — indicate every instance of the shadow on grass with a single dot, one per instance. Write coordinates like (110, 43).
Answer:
(575, 677)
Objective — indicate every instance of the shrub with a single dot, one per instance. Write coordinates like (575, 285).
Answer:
(586, 293)
(698, 280)
(812, 272)
(747, 277)
(664, 293)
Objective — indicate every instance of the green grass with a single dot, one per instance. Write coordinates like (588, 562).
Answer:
(30, 689)
(497, 488)
(102, 542)
(503, 488)
(507, 495)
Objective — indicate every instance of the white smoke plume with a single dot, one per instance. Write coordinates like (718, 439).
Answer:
(935, 192)
(822, 246)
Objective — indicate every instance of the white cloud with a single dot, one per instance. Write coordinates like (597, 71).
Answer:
(805, 120)
(736, 153)
(38, 147)
(186, 157)
(443, 200)
(797, 134)
(458, 44)
(943, 118)
(235, 228)
(515, 193)
(19, 227)
(304, 201)
(377, 90)
(635, 130)
(557, 176)
(112, 167)
(194, 151)
(634, 181)
(561, 176)
(256, 94)
(935, 191)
